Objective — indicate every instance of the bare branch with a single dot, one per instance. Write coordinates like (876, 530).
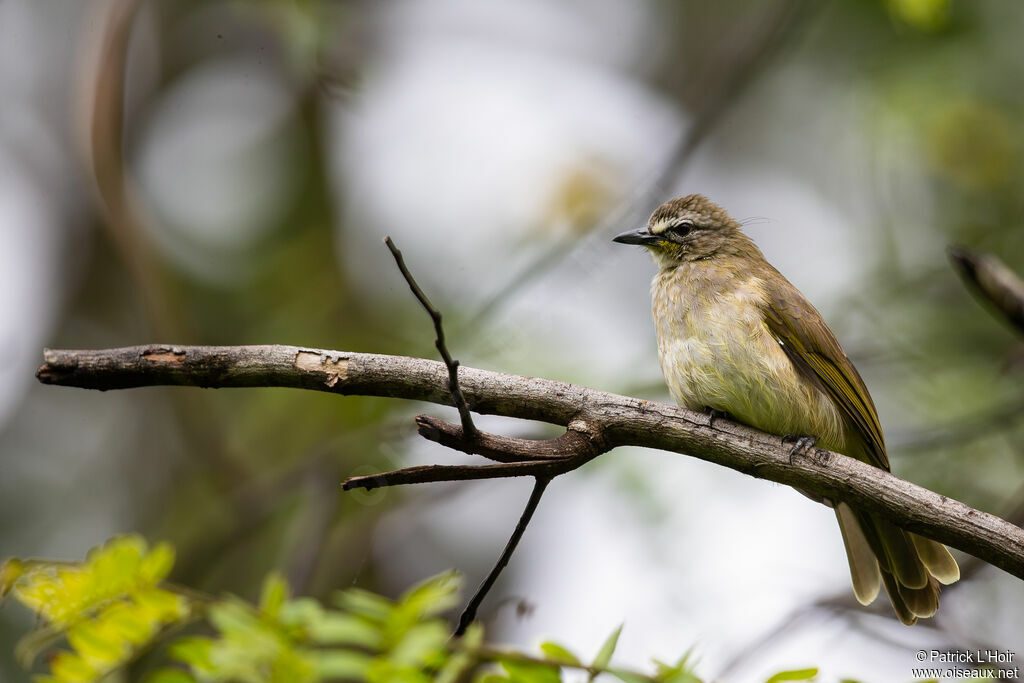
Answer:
(469, 614)
(579, 439)
(468, 428)
(520, 457)
(426, 474)
(619, 420)
(542, 459)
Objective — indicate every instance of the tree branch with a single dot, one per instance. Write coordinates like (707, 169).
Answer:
(606, 420)
(426, 474)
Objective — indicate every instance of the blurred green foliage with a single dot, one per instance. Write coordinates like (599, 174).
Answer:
(112, 608)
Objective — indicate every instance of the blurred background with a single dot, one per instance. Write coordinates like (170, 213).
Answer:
(224, 172)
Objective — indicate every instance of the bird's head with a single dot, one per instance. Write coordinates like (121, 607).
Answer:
(689, 228)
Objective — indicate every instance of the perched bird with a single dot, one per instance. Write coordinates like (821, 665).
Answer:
(735, 337)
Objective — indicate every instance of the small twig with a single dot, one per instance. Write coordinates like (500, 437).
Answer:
(469, 614)
(517, 457)
(426, 474)
(468, 428)
(579, 439)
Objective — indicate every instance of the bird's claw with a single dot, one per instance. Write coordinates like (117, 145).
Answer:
(715, 415)
(802, 444)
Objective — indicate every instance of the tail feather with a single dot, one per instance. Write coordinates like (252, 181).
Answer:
(903, 611)
(863, 566)
(903, 558)
(937, 559)
(922, 601)
(909, 566)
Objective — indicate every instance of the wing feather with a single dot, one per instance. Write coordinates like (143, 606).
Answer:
(817, 355)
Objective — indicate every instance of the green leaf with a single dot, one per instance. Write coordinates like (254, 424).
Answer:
(795, 675)
(421, 644)
(250, 647)
(433, 596)
(69, 667)
(528, 672)
(63, 594)
(169, 676)
(156, 565)
(237, 620)
(678, 676)
(681, 672)
(97, 645)
(558, 653)
(334, 628)
(384, 671)
(604, 655)
(274, 594)
(365, 604)
(342, 664)
(300, 612)
(194, 651)
(628, 676)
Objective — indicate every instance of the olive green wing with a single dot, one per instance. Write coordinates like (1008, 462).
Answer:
(815, 352)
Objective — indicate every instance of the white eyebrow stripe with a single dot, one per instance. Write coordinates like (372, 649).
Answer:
(661, 225)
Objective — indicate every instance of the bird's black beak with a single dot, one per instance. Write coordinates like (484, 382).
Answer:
(638, 236)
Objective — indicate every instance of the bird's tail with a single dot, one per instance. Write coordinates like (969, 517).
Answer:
(910, 567)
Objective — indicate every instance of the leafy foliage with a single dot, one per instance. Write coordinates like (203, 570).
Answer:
(112, 607)
(107, 608)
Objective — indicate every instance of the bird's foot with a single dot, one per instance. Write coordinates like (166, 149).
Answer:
(802, 444)
(715, 415)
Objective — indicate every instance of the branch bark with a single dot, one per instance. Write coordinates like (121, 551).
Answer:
(598, 420)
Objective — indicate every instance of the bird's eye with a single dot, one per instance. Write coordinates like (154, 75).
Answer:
(681, 229)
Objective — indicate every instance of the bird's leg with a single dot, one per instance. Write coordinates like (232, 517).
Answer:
(802, 444)
(714, 414)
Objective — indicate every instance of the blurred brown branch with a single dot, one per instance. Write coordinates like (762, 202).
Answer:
(102, 85)
(992, 282)
(606, 420)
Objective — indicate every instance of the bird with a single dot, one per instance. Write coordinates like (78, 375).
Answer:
(735, 337)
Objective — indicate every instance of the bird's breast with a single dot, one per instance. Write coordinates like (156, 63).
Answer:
(716, 352)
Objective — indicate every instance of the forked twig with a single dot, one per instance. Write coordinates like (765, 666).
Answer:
(517, 457)
(542, 459)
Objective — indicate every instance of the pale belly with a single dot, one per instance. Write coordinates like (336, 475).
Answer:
(716, 352)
